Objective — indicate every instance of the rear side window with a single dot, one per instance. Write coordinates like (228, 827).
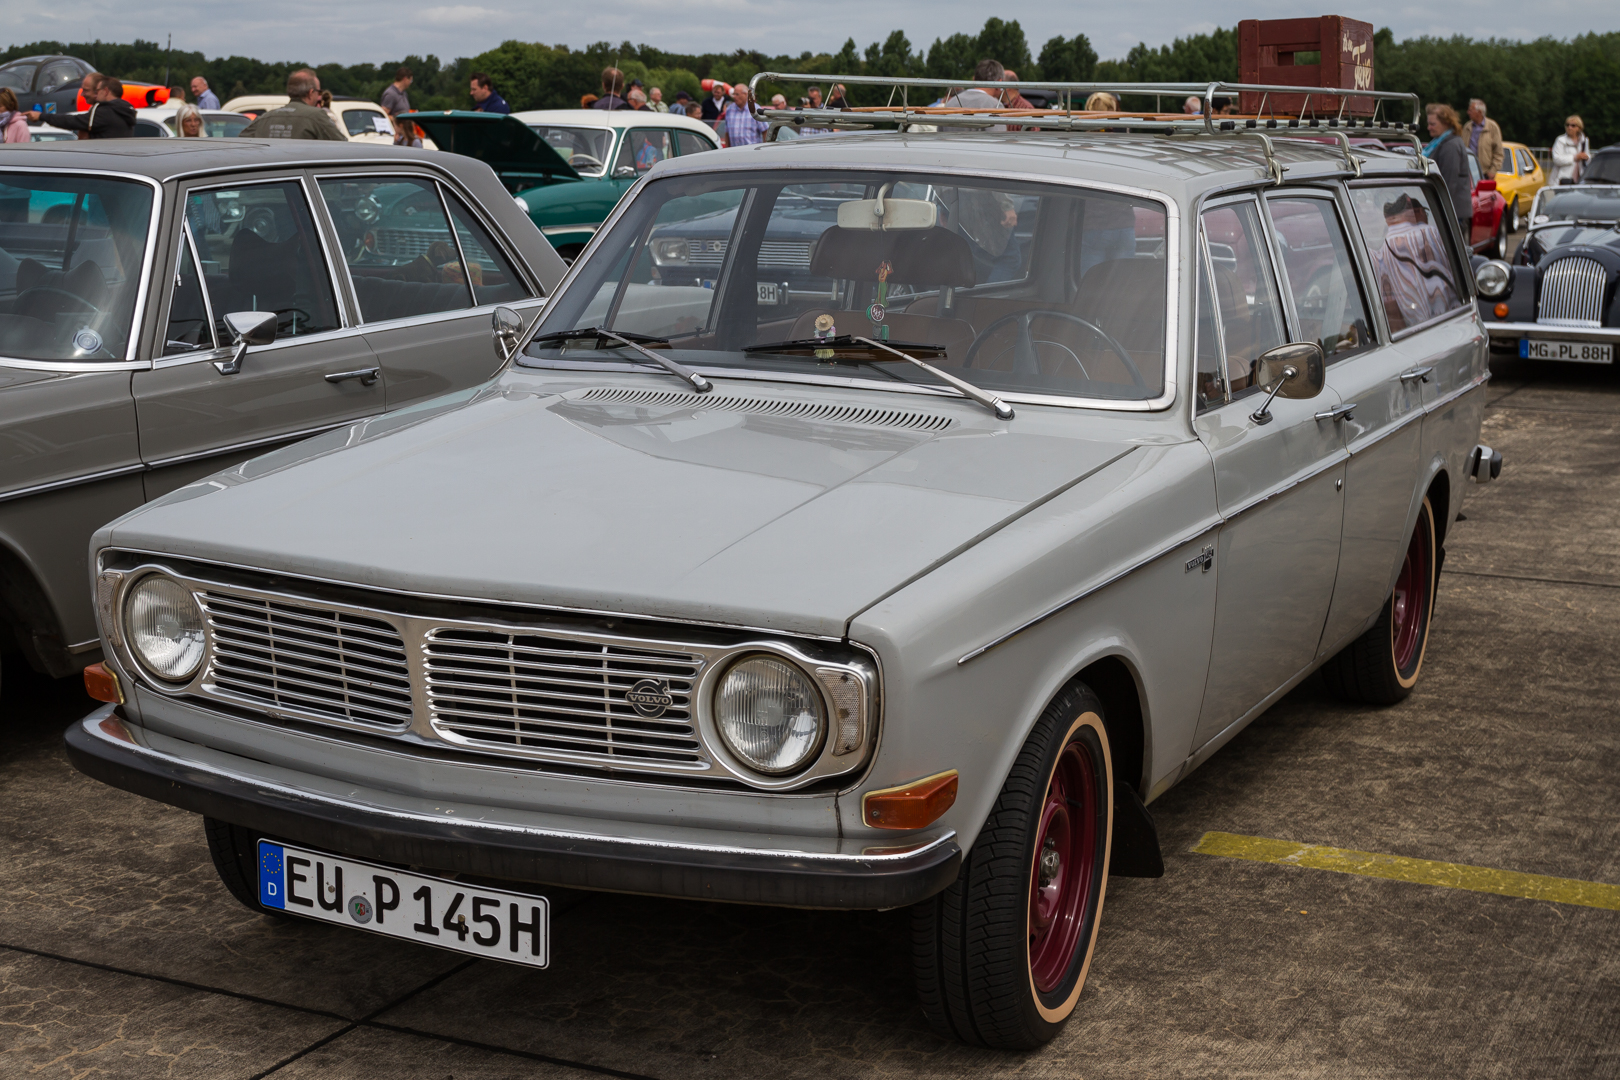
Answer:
(1328, 307)
(690, 142)
(490, 273)
(1416, 272)
(397, 245)
(1507, 162)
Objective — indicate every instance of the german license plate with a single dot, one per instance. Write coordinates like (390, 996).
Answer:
(1579, 352)
(490, 923)
(767, 292)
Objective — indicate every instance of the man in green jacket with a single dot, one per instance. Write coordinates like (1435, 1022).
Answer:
(301, 118)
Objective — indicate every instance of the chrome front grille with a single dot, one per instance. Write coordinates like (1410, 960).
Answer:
(405, 243)
(777, 254)
(514, 691)
(1572, 292)
(311, 661)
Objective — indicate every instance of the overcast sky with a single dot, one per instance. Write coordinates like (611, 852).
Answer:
(354, 31)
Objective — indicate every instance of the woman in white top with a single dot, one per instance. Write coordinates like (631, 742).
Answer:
(1570, 153)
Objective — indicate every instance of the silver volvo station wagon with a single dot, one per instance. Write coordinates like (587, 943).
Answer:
(870, 521)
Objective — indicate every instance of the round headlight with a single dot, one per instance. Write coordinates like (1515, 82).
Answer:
(164, 627)
(1491, 279)
(770, 714)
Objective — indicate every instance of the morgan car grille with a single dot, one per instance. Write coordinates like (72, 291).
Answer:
(326, 663)
(1572, 292)
(504, 691)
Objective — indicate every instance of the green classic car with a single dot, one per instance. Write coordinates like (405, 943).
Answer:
(568, 167)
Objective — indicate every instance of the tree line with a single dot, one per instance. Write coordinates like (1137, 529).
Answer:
(1530, 87)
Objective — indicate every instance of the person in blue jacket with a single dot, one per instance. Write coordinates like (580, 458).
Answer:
(483, 93)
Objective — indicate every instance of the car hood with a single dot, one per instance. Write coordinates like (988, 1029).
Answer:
(504, 143)
(749, 507)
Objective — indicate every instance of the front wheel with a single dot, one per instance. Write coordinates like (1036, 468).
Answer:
(1382, 665)
(1001, 955)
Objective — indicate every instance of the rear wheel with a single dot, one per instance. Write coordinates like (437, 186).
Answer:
(1382, 665)
(1001, 955)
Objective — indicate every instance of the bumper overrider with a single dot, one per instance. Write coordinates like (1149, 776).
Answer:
(105, 746)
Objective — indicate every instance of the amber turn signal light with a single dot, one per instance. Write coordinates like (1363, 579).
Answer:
(101, 683)
(910, 806)
(1501, 311)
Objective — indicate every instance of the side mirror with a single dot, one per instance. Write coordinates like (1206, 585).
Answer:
(247, 328)
(624, 172)
(1296, 370)
(505, 326)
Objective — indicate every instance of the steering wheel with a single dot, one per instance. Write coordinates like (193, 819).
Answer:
(1025, 359)
(83, 304)
(586, 160)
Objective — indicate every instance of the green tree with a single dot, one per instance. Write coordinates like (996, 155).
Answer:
(1063, 60)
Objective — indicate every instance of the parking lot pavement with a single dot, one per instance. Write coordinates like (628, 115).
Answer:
(123, 954)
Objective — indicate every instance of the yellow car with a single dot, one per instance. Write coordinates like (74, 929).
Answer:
(1518, 178)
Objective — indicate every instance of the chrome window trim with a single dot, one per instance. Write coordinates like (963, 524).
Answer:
(1172, 258)
(143, 284)
(556, 230)
(1455, 313)
(474, 206)
(202, 282)
(424, 728)
(455, 238)
(1206, 265)
(73, 367)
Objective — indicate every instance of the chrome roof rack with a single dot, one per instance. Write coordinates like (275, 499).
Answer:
(1384, 120)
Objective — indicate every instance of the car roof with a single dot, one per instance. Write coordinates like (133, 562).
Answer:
(1185, 164)
(165, 159)
(163, 112)
(615, 118)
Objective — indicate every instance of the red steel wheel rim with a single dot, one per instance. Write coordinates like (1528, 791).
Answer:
(1411, 601)
(1061, 878)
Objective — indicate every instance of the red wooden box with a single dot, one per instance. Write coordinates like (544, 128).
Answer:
(1266, 51)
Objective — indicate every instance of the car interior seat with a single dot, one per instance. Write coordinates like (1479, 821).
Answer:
(43, 293)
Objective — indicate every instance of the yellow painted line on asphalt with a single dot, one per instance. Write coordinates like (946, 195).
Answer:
(1418, 871)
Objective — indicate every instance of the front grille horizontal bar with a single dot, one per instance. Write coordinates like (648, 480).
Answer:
(292, 658)
(460, 716)
(278, 672)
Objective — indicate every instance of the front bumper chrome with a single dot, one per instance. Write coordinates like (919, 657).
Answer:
(1514, 331)
(840, 874)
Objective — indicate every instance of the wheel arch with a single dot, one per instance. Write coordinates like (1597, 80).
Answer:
(27, 618)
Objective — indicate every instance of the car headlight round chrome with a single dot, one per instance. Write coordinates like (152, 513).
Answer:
(669, 250)
(770, 714)
(163, 627)
(1491, 279)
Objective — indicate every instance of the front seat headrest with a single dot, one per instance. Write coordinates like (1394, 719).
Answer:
(934, 257)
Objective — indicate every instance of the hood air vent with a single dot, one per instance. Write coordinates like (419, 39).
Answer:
(799, 410)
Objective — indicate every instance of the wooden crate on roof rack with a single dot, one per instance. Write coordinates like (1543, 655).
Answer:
(1268, 50)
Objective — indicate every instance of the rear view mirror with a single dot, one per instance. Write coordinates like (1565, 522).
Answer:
(505, 326)
(887, 214)
(1297, 370)
(247, 328)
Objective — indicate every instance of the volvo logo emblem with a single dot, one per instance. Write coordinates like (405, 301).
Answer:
(650, 698)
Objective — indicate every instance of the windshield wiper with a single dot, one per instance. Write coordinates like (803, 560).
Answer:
(846, 343)
(638, 342)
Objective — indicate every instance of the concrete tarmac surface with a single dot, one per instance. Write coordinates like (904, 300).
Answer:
(121, 955)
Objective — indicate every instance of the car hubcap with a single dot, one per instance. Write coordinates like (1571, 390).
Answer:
(1061, 879)
(1410, 602)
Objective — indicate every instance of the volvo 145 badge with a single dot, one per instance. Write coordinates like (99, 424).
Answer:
(650, 698)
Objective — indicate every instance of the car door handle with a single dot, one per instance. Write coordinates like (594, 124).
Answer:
(1417, 374)
(367, 376)
(1338, 412)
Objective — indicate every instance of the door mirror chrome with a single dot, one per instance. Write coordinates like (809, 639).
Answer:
(1297, 370)
(505, 327)
(247, 328)
(624, 172)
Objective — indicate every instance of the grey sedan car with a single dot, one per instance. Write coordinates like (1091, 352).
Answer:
(911, 591)
(128, 271)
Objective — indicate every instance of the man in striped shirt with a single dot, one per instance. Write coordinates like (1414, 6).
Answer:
(742, 129)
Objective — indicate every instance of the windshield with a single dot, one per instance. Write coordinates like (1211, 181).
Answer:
(1583, 203)
(1023, 287)
(70, 260)
(585, 149)
(1605, 169)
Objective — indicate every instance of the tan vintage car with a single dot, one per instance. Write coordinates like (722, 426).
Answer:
(134, 275)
